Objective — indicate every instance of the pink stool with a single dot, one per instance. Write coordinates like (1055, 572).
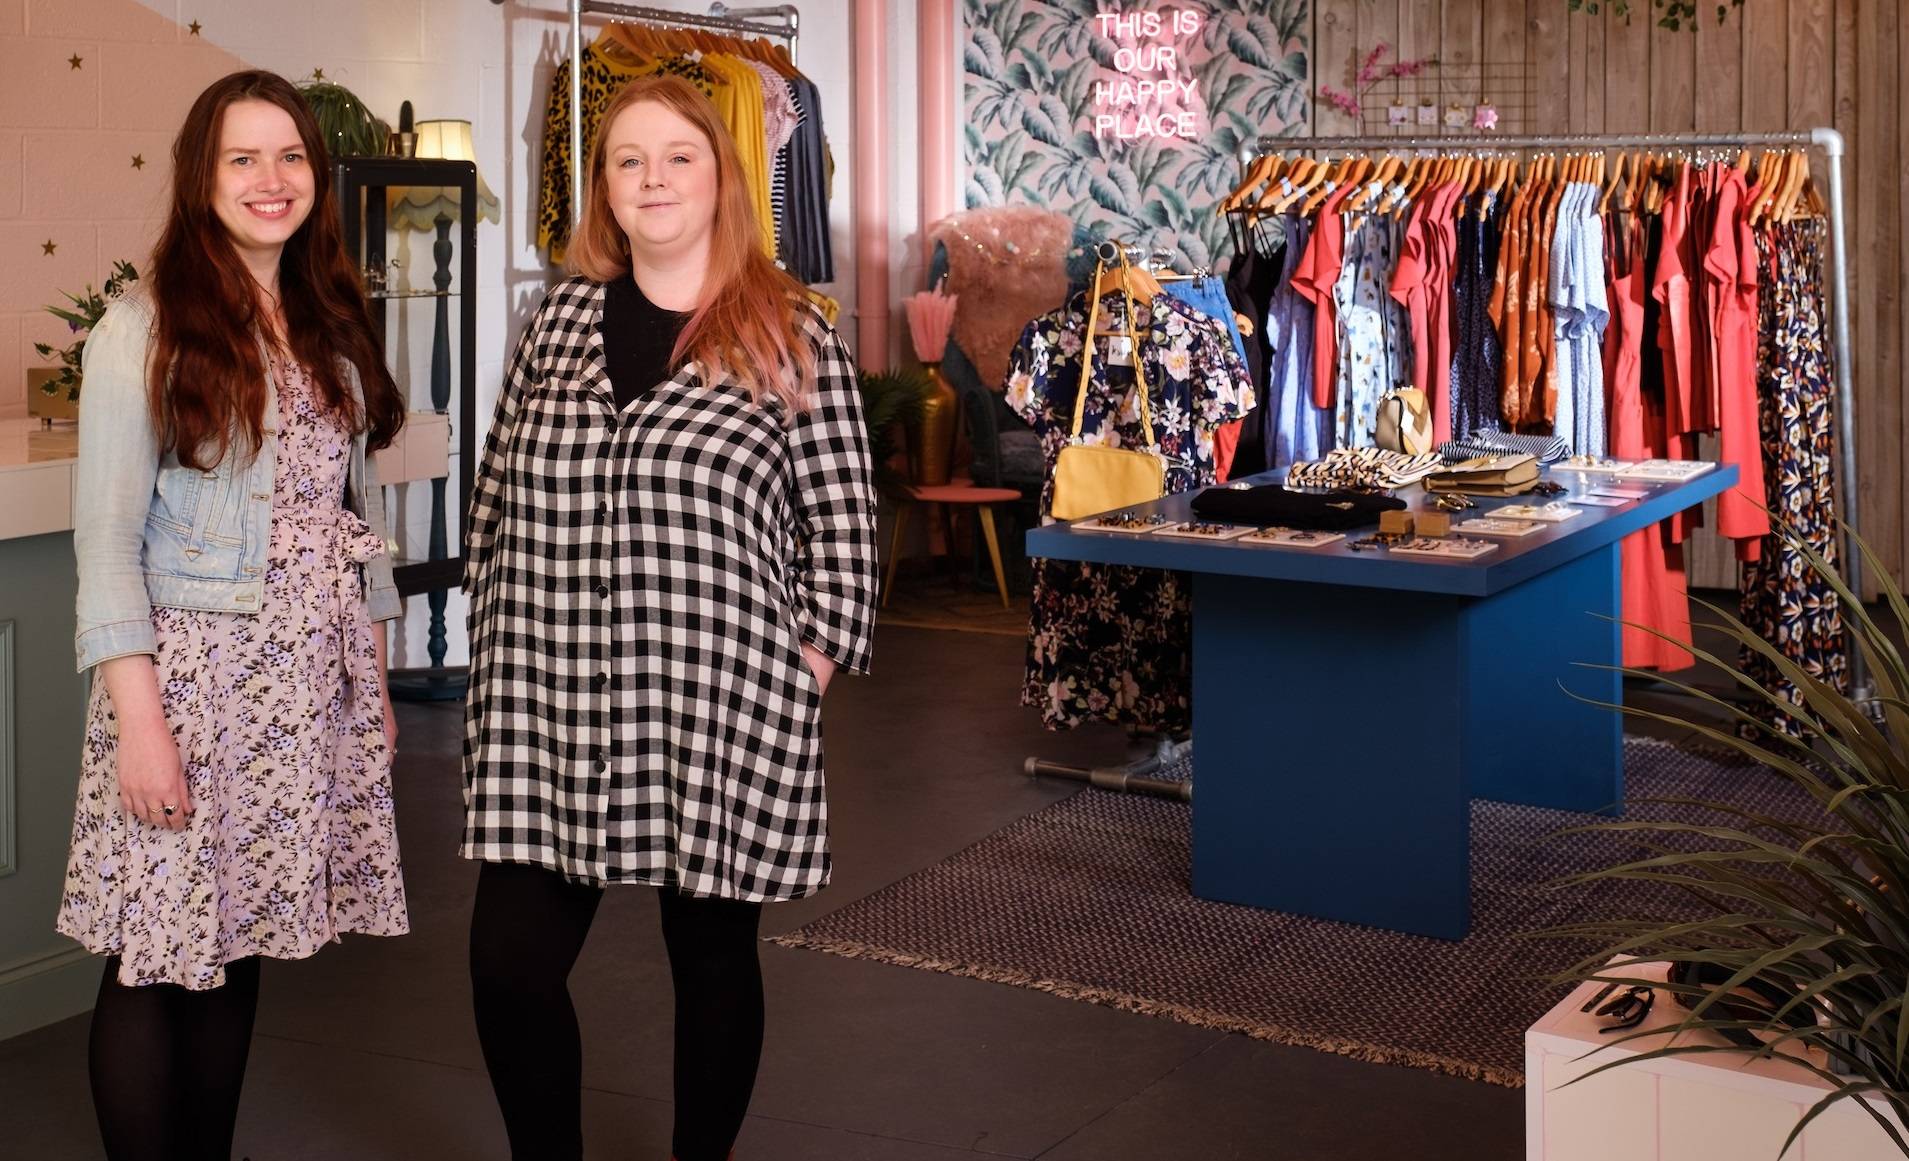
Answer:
(947, 495)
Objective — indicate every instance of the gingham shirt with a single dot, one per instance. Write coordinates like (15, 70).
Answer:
(641, 583)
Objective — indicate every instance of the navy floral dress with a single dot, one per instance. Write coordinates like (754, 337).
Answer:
(1107, 641)
(1783, 599)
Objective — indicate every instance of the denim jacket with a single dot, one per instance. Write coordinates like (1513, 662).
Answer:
(148, 532)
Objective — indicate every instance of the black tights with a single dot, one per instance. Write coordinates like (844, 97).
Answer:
(167, 1065)
(526, 932)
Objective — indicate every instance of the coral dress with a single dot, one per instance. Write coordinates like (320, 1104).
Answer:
(279, 718)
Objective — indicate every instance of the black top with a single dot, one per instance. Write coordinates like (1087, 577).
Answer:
(638, 336)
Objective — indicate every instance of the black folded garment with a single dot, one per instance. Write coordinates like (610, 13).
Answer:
(1314, 511)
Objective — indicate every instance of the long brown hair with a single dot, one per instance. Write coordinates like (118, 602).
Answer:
(206, 383)
(749, 319)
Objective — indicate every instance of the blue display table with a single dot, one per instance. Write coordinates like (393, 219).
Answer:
(1349, 705)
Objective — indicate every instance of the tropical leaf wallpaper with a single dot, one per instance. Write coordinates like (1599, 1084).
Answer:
(1031, 67)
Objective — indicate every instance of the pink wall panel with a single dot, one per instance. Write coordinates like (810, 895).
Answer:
(10, 167)
(151, 86)
(90, 20)
(91, 175)
(30, 278)
(12, 387)
(67, 141)
(39, 87)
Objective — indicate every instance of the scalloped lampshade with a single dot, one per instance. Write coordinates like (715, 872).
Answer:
(417, 207)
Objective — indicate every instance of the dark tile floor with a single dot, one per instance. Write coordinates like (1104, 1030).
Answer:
(366, 1051)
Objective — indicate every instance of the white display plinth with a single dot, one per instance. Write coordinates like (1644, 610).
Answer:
(1711, 1107)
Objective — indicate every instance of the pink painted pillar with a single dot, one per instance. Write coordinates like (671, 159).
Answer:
(935, 21)
(871, 184)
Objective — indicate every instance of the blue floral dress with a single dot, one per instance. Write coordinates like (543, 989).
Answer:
(1374, 330)
(1107, 641)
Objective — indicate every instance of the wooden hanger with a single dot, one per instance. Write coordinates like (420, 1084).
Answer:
(623, 42)
(1279, 183)
(1382, 173)
(1770, 178)
(1128, 278)
(1799, 184)
(1292, 188)
(1610, 188)
(1260, 171)
(1319, 190)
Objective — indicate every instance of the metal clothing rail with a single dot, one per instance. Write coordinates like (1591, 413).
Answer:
(787, 28)
(1829, 140)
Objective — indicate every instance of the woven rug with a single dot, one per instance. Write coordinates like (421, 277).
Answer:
(1089, 899)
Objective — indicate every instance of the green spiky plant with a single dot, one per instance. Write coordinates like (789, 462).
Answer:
(892, 402)
(80, 318)
(1819, 911)
(348, 125)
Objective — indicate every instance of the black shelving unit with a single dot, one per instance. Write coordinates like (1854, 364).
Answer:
(362, 185)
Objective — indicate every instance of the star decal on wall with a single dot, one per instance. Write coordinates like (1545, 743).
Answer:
(139, 161)
(47, 247)
(193, 28)
(75, 60)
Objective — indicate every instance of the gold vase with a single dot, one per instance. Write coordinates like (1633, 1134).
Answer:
(934, 450)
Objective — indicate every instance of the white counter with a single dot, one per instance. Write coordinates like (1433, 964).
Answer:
(37, 466)
(36, 477)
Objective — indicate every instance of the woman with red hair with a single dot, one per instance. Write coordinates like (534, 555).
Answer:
(671, 552)
(235, 797)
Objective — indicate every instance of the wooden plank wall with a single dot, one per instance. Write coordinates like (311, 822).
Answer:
(1771, 65)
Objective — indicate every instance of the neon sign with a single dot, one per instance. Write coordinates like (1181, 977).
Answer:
(1148, 99)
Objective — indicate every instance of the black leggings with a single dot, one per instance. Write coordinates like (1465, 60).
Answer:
(526, 932)
(167, 1064)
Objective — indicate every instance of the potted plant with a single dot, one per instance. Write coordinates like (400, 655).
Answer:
(349, 127)
(59, 386)
(891, 400)
(1814, 915)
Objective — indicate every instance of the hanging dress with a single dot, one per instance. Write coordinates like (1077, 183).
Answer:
(1783, 599)
(1109, 642)
(1374, 334)
(1302, 430)
(1476, 360)
(1654, 590)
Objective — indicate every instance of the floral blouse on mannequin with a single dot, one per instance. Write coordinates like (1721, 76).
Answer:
(1107, 641)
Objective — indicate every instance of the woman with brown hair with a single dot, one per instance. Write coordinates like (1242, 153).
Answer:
(235, 797)
(671, 551)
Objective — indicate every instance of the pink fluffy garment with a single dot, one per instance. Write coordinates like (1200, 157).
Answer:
(1010, 267)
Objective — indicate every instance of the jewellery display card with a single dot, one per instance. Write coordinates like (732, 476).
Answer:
(1291, 538)
(1676, 471)
(1203, 530)
(1621, 492)
(1555, 512)
(1601, 500)
(1450, 549)
(1495, 526)
(1599, 465)
(1125, 525)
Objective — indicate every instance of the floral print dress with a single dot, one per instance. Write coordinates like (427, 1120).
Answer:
(1783, 598)
(1110, 642)
(1374, 330)
(279, 718)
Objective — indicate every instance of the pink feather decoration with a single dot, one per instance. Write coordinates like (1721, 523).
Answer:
(930, 318)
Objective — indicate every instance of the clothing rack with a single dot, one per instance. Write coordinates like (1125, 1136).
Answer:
(787, 28)
(1832, 144)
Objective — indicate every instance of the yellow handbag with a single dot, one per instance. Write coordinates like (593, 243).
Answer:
(1089, 478)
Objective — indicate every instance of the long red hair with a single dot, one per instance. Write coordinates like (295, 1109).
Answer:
(206, 384)
(749, 320)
